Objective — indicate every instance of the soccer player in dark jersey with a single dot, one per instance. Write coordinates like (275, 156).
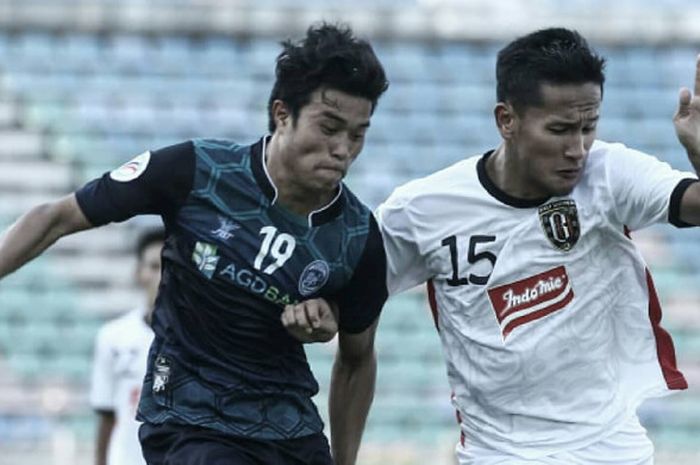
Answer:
(262, 242)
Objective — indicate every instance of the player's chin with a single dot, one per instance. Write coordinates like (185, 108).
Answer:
(329, 179)
(562, 187)
(561, 192)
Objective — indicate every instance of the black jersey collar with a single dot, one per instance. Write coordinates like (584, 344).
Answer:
(257, 164)
(499, 194)
(262, 177)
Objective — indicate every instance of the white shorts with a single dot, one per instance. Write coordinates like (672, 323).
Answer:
(628, 446)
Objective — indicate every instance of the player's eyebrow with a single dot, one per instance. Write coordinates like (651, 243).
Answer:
(575, 121)
(333, 116)
(343, 121)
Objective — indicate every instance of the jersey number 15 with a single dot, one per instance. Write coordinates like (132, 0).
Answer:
(473, 256)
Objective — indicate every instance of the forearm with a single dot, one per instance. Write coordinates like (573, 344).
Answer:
(101, 448)
(35, 231)
(351, 395)
(694, 158)
(104, 433)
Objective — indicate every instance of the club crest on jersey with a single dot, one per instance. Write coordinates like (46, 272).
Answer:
(530, 299)
(131, 169)
(560, 223)
(313, 277)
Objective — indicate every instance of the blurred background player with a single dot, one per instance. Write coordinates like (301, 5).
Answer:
(119, 365)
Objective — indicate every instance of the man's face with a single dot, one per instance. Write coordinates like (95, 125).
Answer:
(327, 136)
(148, 270)
(551, 141)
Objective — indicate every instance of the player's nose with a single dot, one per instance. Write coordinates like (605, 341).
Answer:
(576, 147)
(341, 149)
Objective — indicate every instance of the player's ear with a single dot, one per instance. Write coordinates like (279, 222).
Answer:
(506, 119)
(280, 114)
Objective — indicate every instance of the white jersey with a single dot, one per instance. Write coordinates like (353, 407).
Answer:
(546, 312)
(121, 350)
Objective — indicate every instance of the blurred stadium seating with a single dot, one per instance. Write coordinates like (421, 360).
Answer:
(75, 102)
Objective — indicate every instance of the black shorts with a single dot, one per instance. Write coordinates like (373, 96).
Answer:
(172, 444)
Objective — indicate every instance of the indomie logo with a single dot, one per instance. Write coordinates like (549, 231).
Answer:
(530, 295)
(530, 299)
(560, 223)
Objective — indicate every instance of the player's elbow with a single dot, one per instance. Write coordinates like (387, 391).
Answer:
(61, 217)
(356, 357)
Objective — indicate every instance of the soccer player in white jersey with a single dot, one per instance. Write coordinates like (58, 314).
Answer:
(121, 350)
(546, 312)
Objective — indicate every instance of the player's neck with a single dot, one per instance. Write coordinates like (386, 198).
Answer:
(302, 202)
(292, 194)
(506, 173)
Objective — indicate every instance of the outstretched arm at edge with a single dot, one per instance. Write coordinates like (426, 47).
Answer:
(37, 229)
(351, 393)
(687, 124)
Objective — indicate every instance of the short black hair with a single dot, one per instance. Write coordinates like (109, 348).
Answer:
(146, 238)
(329, 56)
(551, 56)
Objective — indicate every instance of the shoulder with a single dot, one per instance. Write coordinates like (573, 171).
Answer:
(169, 163)
(610, 160)
(220, 150)
(611, 152)
(170, 153)
(457, 176)
(413, 208)
(424, 195)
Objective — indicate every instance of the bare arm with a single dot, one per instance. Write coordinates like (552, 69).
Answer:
(351, 393)
(687, 124)
(690, 205)
(105, 426)
(37, 229)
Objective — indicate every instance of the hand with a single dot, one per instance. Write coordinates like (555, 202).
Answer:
(687, 118)
(313, 320)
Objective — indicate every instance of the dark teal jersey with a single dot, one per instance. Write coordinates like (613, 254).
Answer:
(232, 259)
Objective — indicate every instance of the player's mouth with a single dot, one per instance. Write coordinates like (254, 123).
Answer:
(334, 169)
(569, 174)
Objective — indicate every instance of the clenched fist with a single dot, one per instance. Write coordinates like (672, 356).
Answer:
(314, 320)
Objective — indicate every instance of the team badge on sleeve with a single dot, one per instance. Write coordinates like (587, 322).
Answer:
(131, 169)
(560, 223)
(313, 277)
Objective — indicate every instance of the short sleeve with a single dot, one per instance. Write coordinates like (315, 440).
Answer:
(362, 299)
(102, 383)
(644, 190)
(155, 182)
(406, 266)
